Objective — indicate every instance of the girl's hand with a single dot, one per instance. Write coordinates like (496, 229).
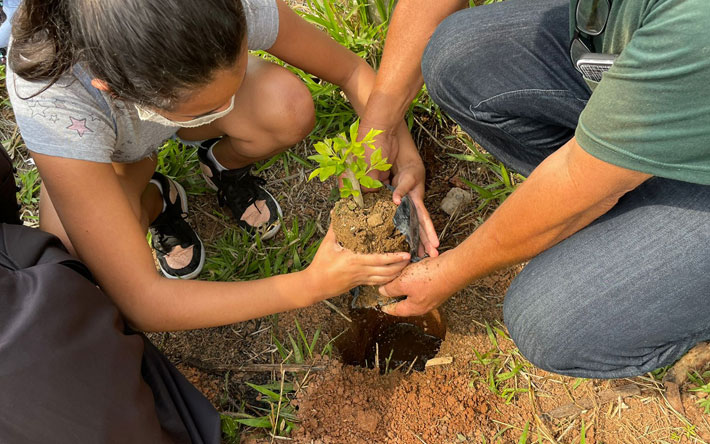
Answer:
(335, 270)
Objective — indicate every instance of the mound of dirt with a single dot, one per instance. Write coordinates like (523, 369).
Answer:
(433, 406)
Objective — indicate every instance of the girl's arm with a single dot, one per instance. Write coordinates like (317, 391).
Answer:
(107, 236)
(302, 45)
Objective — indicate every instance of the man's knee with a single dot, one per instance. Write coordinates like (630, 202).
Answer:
(549, 335)
(441, 60)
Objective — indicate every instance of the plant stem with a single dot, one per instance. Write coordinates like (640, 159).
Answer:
(356, 186)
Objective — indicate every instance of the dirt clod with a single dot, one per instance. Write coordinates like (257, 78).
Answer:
(369, 229)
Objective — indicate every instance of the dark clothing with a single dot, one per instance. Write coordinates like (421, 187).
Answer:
(69, 370)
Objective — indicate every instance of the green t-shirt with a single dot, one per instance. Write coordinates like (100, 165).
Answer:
(651, 110)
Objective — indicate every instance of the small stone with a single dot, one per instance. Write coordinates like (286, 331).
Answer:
(375, 220)
(454, 199)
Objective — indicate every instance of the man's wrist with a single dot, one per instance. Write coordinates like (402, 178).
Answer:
(451, 272)
(385, 111)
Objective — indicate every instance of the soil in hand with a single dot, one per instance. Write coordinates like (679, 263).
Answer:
(369, 230)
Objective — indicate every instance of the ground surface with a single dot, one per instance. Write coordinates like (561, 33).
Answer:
(488, 393)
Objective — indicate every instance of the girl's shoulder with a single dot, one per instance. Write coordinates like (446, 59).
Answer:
(60, 117)
(66, 120)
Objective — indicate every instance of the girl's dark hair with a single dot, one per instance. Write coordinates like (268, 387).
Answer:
(153, 52)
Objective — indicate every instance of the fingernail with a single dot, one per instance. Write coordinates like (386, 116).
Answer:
(382, 291)
(387, 309)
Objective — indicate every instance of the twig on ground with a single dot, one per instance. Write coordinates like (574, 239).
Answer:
(446, 360)
(409, 370)
(337, 310)
(604, 397)
(678, 374)
(433, 137)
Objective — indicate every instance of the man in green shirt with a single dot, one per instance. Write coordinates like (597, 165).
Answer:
(614, 216)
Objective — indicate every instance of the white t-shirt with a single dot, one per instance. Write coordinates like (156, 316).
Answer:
(67, 121)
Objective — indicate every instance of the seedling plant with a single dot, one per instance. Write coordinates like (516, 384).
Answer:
(346, 156)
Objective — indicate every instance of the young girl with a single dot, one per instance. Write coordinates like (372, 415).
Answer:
(98, 86)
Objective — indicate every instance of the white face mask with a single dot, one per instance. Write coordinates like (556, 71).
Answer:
(152, 116)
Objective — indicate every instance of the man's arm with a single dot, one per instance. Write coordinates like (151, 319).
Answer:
(399, 77)
(304, 46)
(564, 194)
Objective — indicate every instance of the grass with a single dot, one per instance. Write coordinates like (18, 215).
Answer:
(274, 413)
(302, 349)
(502, 370)
(702, 388)
(500, 181)
(236, 255)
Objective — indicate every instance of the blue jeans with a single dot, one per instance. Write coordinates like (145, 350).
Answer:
(630, 292)
(9, 7)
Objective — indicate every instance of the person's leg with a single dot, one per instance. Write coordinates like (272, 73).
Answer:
(625, 295)
(503, 73)
(145, 198)
(273, 110)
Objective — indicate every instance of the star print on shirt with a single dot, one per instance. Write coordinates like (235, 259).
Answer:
(79, 125)
(36, 109)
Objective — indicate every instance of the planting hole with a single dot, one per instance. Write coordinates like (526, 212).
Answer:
(396, 342)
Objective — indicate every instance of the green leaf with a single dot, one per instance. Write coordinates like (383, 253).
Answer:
(323, 148)
(369, 182)
(346, 192)
(320, 158)
(297, 352)
(340, 145)
(382, 166)
(357, 149)
(376, 157)
(264, 422)
(360, 166)
(265, 391)
(326, 172)
(524, 437)
(314, 173)
(353, 130)
(370, 136)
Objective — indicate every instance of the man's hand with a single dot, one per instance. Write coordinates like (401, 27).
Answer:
(386, 141)
(408, 179)
(427, 284)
